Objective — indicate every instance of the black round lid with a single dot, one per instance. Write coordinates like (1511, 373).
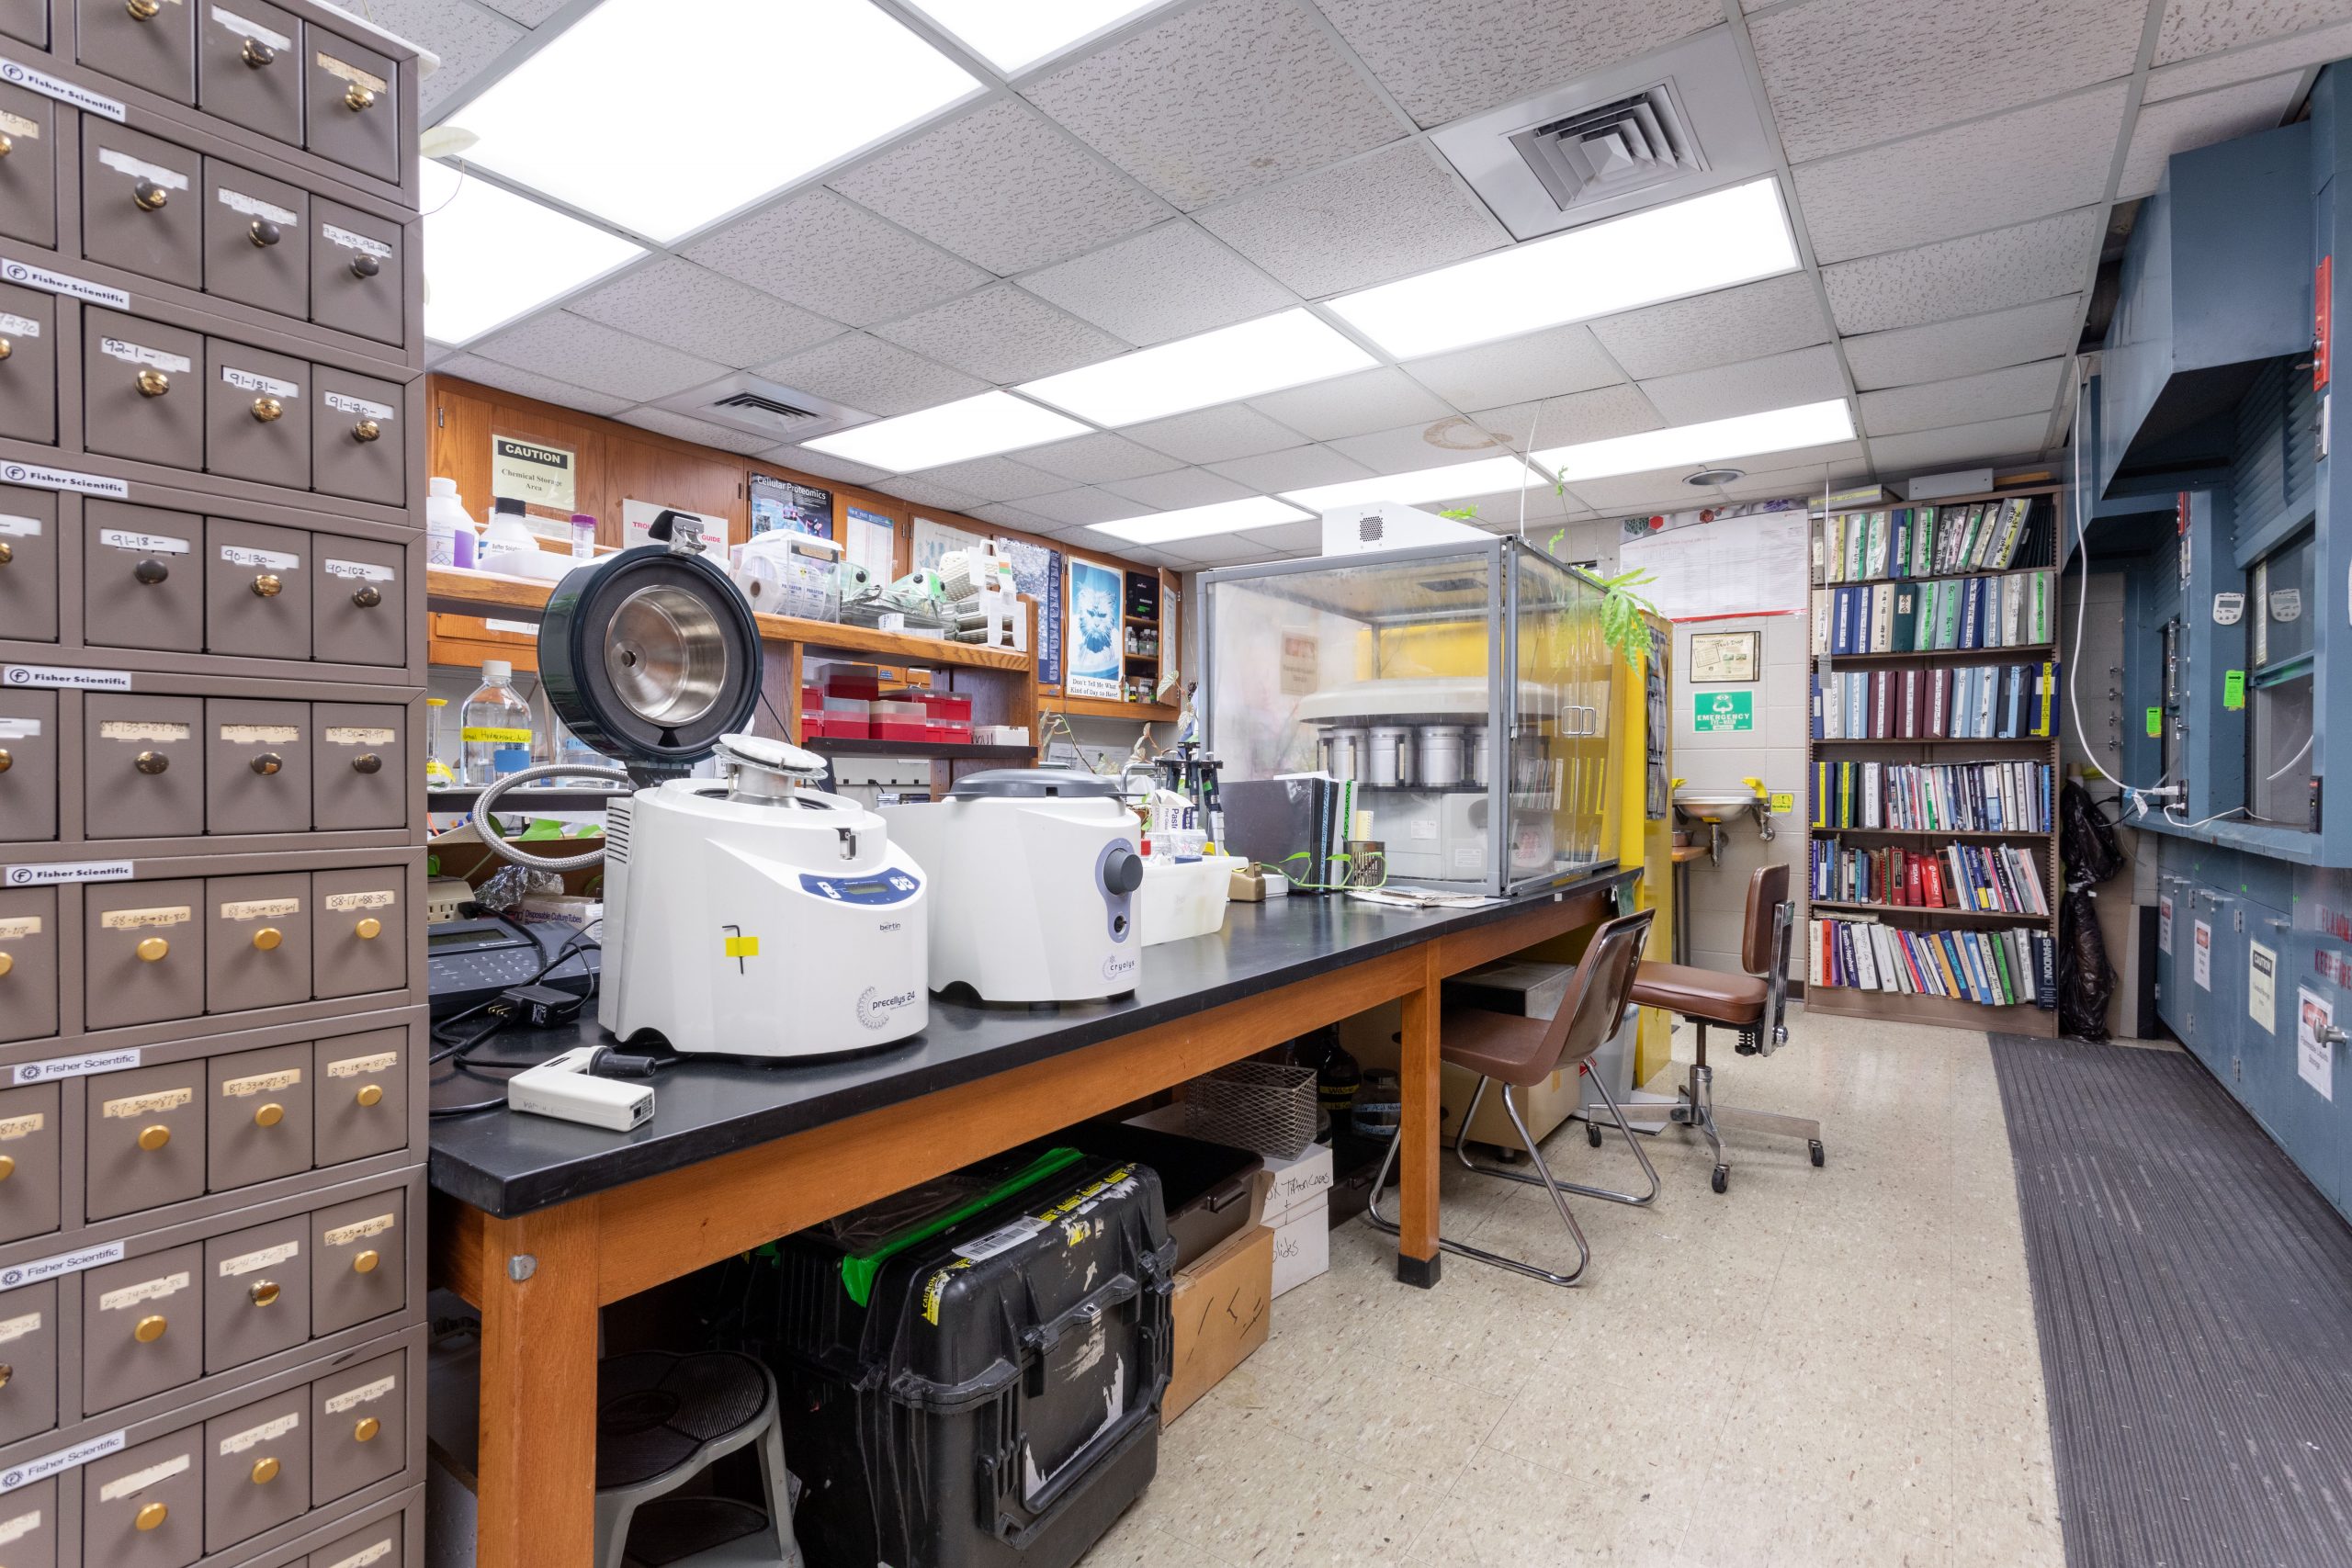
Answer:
(1034, 783)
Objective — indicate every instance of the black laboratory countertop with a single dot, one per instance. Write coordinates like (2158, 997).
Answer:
(507, 1164)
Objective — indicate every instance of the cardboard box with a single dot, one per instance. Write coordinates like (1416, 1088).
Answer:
(1303, 1241)
(1300, 1180)
(1223, 1309)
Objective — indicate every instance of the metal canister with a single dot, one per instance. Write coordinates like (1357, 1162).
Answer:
(1392, 755)
(1437, 756)
(1343, 753)
(1474, 755)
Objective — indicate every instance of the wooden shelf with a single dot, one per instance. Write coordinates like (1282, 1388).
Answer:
(1979, 654)
(2015, 917)
(1949, 1012)
(1107, 707)
(1937, 833)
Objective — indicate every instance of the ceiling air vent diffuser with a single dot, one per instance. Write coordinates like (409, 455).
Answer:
(759, 407)
(1611, 149)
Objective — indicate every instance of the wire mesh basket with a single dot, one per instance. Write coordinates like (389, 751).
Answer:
(1265, 1106)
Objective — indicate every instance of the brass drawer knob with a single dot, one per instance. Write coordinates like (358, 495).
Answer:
(268, 409)
(7, 964)
(269, 1115)
(367, 762)
(154, 1136)
(366, 266)
(154, 383)
(144, 10)
(256, 53)
(365, 430)
(367, 596)
(152, 949)
(8, 1166)
(265, 233)
(372, 1094)
(365, 1262)
(7, 550)
(370, 929)
(153, 1516)
(148, 195)
(6, 348)
(358, 98)
(261, 1292)
(267, 937)
(367, 1429)
(152, 763)
(151, 1328)
(268, 585)
(149, 571)
(264, 1472)
(7, 1371)
(7, 145)
(268, 763)
(6, 762)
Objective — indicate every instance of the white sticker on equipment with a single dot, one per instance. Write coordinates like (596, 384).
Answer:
(139, 169)
(254, 207)
(139, 354)
(255, 381)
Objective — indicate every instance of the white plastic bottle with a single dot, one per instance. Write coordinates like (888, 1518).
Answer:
(507, 535)
(494, 725)
(449, 532)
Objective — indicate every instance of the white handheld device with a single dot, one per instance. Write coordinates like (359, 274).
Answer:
(565, 1086)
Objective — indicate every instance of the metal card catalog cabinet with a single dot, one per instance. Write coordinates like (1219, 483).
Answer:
(28, 1520)
(28, 169)
(29, 1164)
(256, 766)
(360, 921)
(253, 239)
(355, 448)
(148, 43)
(29, 1349)
(358, 1261)
(355, 273)
(143, 204)
(144, 1507)
(28, 366)
(28, 766)
(142, 576)
(27, 964)
(380, 1542)
(360, 601)
(249, 68)
(256, 1468)
(26, 20)
(360, 1092)
(27, 565)
(142, 393)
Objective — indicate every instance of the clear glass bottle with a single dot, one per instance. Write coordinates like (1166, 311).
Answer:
(438, 773)
(495, 726)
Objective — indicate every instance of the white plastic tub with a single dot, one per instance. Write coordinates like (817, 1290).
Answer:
(1182, 899)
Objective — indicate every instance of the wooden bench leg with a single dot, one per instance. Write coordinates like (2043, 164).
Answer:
(1417, 1259)
(535, 1499)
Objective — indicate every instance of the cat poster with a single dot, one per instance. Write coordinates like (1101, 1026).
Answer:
(1094, 642)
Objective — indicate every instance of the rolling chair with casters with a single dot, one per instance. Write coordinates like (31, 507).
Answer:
(1524, 1052)
(1755, 1004)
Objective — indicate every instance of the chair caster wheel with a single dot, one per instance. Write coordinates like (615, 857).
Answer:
(1723, 1177)
(1814, 1146)
(1592, 1134)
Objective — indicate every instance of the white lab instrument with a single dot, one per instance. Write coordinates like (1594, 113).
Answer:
(1386, 526)
(566, 1087)
(1034, 873)
(758, 917)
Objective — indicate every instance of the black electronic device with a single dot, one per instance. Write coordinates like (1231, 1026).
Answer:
(471, 962)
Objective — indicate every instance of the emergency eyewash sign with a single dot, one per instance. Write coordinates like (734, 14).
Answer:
(1718, 713)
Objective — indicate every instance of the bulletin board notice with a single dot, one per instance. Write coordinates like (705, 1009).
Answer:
(1739, 566)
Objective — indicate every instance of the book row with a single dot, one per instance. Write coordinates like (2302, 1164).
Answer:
(1933, 541)
(1997, 968)
(1997, 878)
(1948, 798)
(2016, 610)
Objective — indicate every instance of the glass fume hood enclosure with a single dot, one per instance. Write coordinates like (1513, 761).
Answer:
(1464, 689)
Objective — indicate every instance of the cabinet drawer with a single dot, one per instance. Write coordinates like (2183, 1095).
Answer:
(146, 1138)
(258, 951)
(141, 395)
(28, 766)
(377, 1546)
(257, 415)
(360, 601)
(361, 758)
(28, 173)
(249, 68)
(256, 1468)
(351, 106)
(355, 443)
(29, 365)
(26, 20)
(253, 248)
(143, 765)
(256, 766)
(29, 1356)
(358, 1261)
(29, 1525)
(144, 1507)
(31, 1162)
(257, 1293)
(355, 270)
(259, 1126)
(361, 1094)
(28, 964)
(143, 203)
(358, 1427)
(256, 590)
(148, 43)
(142, 1326)
(360, 926)
(142, 576)
(27, 566)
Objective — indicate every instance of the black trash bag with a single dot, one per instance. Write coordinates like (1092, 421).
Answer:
(2085, 839)
(2085, 979)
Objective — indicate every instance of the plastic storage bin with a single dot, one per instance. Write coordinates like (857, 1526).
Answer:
(1183, 898)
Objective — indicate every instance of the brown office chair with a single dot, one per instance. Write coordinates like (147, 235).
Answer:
(1522, 1052)
(1754, 1003)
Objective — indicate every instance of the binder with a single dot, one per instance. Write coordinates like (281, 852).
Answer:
(1903, 628)
(1948, 615)
(1881, 617)
(1972, 614)
(1841, 639)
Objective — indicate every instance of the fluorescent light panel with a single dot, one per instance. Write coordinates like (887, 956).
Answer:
(491, 255)
(1286, 349)
(1013, 34)
(1715, 441)
(970, 427)
(662, 117)
(1728, 236)
(1487, 476)
(1198, 522)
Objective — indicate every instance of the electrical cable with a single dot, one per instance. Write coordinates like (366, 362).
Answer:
(2304, 751)
(455, 1054)
(2082, 604)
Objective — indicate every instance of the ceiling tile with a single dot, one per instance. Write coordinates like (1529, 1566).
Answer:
(1350, 405)
(1091, 459)
(1541, 364)
(1183, 487)
(866, 373)
(465, 37)
(1546, 508)
(1003, 187)
(531, 384)
(530, 13)
(1167, 282)
(825, 466)
(1213, 435)
(923, 493)
(1601, 415)
(993, 479)
(1944, 349)
(1730, 324)
(1002, 334)
(590, 354)
(1803, 376)
(1072, 508)
(1988, 172)
(1294, 469)
(1964, 399)
(2201, 27)
(1797, 482)
(2298, 52)
(1398, 210)
(1445, 61)
(1218, 549)
(1660, 489)
(833, 257)
(1964, 277)
(697, 430)
(1894, 456)
(1846, 73)
(1407, 448)
(1304, 538)
(1219, 99)
(1005, 516)
(2178, 125)
(676, 302)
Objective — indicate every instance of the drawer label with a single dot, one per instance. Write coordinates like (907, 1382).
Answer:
(360, 1066)
(139, 354)
(131, 1105)
(74, 1066)
(64, 92)
(351, 241)
(247, 206)
(261, 909)
(255, 381)
(153, 1289)
(50, 1267)
(137, 1480)
(262, 734)
(16, 527)
(62, 283)
(358, 735)
(139, 169)
(16, 926)
(41, 478)
(145, 544)
(142, 730)
(267, 561)
(77, 679)
(18, 127)
(343, 403)
(252, 1437)
(350, 73)
(260, 1083)
(25, 1126)
(140, 920)
(254, 30)
(362, 1558)
(23, 1525)
(366, 1394)
(17, 1327)
(359, 570)
(358, 1230)
(18, 326)
(344, 903)
(267, 1257)
(50, 1464)
(59, 872)
(19, 730)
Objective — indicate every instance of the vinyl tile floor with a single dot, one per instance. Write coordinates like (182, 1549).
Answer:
(1819, 1367)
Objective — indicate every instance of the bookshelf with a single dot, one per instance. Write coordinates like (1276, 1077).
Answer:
(2036, 551)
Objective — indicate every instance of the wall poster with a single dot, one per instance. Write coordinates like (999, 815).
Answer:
(1094, 641)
